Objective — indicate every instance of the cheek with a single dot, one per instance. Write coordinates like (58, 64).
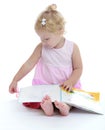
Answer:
(55, 41)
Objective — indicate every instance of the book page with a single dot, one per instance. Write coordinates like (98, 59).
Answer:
(83, 100)
(37, 92)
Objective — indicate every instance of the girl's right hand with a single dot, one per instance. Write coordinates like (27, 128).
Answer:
(13, 87)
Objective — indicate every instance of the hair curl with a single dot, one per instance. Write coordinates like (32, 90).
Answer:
(54, 21)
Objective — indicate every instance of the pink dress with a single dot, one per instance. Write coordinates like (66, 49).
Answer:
(55, 65)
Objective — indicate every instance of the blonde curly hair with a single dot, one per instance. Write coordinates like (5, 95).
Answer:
(50, 20)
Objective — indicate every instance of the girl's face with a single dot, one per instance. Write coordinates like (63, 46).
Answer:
(50, 40)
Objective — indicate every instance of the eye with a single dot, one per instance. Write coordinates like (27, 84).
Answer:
(46, 39)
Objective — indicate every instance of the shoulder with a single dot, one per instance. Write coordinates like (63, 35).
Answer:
(39, 45)
(71, 43)
(76, 51)
(69, 46)
(38, 49)
(75, 47)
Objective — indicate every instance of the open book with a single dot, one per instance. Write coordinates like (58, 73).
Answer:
(88, 101)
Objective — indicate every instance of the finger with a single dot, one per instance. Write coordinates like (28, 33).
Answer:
(68, 89)
(62, 85)
(10, 90)
(13, 90)
(65, 88)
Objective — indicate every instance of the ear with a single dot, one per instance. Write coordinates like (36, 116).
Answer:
(60, 32)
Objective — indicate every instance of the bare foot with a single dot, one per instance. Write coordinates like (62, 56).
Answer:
(47, 106)
(63, 108)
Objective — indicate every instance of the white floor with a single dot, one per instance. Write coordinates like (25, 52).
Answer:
(16, 44)
(15, 116)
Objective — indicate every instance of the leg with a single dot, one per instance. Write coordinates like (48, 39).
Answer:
(63, 108)
(47, 106)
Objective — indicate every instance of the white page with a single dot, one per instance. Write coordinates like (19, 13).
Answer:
(37, 92)
(82, 101)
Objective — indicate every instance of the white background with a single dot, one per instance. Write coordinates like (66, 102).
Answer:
(85, 26)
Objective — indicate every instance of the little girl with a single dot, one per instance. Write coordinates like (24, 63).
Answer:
(57, 61)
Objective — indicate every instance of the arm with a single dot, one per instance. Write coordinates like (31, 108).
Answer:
(77, 69)
(26, 68)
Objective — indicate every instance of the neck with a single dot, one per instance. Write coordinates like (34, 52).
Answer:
(60, 43)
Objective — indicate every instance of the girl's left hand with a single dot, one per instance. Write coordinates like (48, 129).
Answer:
(67, 85)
